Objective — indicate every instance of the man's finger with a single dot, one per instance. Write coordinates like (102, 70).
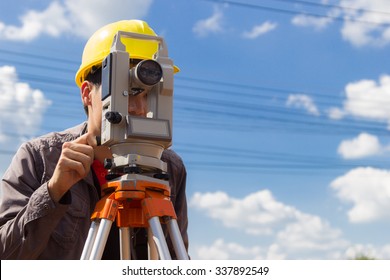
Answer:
(80, 153)
(87, 139)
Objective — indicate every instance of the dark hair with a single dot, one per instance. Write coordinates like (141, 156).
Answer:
(95, 77)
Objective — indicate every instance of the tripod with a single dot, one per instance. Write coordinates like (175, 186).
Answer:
(135, 200)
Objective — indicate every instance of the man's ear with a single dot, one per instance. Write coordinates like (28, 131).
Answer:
(85, 90)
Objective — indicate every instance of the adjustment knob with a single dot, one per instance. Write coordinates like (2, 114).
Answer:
(113, 117)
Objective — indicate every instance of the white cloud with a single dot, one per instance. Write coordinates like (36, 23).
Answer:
(310, 237)
(259, 30)
(335, 249)
(361, 26)
(369, 99)
(294, 233)
(258, 213)
(35, 23)
(103, 12)
(368, 190)
(363, 145)
(303, 101)
(366, 99)
(335, 113)
(76, 17)
(212, 24)
(222, 250)
(21, 111)
(316, 22)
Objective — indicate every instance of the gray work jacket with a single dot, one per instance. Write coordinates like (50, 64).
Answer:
(33, 226)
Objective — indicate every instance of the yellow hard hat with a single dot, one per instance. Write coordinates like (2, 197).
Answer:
(99, 45)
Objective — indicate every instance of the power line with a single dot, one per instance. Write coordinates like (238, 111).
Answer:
(62, 82)
(7, 152)
(293, 12)
(40, 57)
(241, 158)
(246, 117)
(244, 111)
(247, 114)
(258, 88)
(327, 5)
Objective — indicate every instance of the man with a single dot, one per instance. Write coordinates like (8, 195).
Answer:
(53, 183)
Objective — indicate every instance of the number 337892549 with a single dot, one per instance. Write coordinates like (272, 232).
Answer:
(235, 270)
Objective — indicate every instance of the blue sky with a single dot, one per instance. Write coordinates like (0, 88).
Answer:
(281, 113)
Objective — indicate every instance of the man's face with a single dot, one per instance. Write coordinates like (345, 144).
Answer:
(137, 106)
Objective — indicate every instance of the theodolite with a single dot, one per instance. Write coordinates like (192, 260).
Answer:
(137, 193)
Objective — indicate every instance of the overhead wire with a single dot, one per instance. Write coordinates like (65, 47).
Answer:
(214, 106)
(328, 5)
(218, 113)
(295, 12)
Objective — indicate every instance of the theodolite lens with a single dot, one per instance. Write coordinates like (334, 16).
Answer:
(149, 72)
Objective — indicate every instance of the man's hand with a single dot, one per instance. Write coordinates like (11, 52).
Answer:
(74, 164)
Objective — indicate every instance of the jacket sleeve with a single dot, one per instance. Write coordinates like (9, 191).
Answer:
(28, 215)
(181, 203)
(178, 177)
